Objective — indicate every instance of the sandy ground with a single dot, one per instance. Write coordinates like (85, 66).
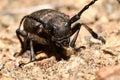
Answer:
(103, 17)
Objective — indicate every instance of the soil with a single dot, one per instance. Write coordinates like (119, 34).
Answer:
(103, 17)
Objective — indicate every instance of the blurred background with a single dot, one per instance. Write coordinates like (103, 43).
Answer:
(11, 11)
(103, 17)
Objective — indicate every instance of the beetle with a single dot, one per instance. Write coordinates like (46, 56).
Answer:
(51, 28)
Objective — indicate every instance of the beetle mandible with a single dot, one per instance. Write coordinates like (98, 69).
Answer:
(48, 27)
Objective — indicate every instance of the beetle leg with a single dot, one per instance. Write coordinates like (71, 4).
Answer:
(38, 39)
(95, 35)
(77, 27)
(35, 39)
(32, 54)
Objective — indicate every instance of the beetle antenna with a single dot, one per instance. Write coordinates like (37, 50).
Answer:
(77, 16)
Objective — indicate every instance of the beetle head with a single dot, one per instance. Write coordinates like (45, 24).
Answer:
(60, 32)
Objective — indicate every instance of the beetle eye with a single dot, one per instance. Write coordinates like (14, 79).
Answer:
(65, 43)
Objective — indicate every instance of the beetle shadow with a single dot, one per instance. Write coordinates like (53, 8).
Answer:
(58, 52)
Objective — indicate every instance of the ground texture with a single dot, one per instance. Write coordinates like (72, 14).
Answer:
(97, 62)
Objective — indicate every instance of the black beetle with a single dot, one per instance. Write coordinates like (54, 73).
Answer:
(51, 28)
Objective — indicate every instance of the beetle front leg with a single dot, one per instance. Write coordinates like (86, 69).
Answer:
(75, 28)
(32, 54)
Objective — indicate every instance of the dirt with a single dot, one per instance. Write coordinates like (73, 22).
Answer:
(103, 17)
